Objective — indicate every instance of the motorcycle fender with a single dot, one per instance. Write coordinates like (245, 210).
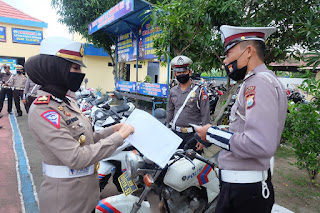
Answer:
(212, 186)
(105, 168)
(121, 204)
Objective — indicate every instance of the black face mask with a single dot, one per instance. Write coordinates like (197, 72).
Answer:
(183, 78)
(234, 72)
(74, 81)
(18, 72)
(7, 73)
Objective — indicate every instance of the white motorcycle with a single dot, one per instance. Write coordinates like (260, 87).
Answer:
(188, 184)
(115, 164)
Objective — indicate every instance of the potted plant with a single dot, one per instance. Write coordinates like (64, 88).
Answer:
(98, 91)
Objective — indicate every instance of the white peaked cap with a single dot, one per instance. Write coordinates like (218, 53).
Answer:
(64, 48)
(231, 35)
(180, 63)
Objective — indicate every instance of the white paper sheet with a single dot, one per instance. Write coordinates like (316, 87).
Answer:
(152, 138)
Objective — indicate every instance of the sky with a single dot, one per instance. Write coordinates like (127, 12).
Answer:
(41, 9)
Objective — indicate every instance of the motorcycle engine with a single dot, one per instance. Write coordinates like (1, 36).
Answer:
(187, 201)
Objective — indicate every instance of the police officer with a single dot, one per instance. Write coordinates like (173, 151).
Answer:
(70, 149)
(29, 93)
(18, 83)
(5, 88)
(188, 102)
(256, 123)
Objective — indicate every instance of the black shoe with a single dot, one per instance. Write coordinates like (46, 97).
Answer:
(0, 116)
(9, 112)
(19, 115)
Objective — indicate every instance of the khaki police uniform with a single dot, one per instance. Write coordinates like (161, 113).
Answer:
(65, 138)
(196, 110)
(5, 91)
(18, 83)
(30, 93)
(256, 123)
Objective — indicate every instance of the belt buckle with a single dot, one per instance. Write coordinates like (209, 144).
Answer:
(184, 130)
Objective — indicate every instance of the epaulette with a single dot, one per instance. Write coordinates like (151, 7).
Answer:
(43, 99)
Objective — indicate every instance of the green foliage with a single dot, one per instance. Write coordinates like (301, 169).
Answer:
(77, 15)
(214, 73)
(302, 130)
(147, 79)
(313, 59)
(192, 27)
(98, 89)
(302, 74)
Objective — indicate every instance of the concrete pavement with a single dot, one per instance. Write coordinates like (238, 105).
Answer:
(9, 190)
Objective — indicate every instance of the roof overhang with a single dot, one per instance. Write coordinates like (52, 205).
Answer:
(23, 22)
(122, 21)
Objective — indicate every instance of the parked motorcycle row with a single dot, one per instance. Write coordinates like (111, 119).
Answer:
(188, 183)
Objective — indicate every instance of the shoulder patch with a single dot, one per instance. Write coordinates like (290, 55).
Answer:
(53, 117)
(42, 99)
(250, 96)
(204, 94)
(250, 91)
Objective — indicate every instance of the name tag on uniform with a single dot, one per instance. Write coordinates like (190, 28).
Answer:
(74, 172)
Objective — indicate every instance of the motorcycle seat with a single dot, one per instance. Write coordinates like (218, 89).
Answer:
(99, 101)
(127, 114)
(121, 108)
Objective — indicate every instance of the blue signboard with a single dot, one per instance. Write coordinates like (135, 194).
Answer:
(126, 86)
(159, 90)
(148, 33)
(3, 34)
(119, 10)
(127, 44)
(127, 47)
(26, 36)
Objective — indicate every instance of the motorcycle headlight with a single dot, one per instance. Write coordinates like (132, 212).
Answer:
(133, 163)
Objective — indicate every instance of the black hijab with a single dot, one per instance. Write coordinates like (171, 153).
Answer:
(50, 72)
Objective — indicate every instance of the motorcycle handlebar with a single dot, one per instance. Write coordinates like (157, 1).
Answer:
(190, 153)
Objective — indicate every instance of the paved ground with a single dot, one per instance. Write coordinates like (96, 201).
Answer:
(20, 194)
(9, 196)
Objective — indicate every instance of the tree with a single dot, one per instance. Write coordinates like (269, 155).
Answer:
(192, 28)
(302, 130)
(77, 15)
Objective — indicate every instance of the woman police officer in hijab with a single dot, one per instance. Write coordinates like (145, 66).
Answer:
(70, 149)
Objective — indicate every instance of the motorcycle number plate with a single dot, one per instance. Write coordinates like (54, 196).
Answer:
(128, 186)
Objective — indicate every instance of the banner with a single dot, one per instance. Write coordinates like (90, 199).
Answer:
(119, 10)
(126, 86)
(26, 36)
(159, 90)
(3, 37)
